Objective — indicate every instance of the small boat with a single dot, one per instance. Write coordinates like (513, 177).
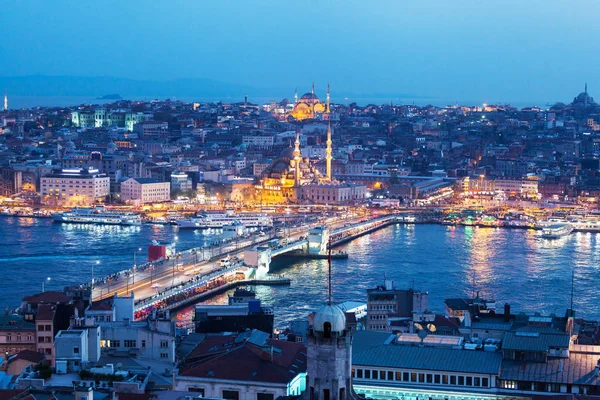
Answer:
(556, 231)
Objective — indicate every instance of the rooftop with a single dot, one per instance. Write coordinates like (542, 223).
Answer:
(49, 297)
(429, 358)
(13, 322)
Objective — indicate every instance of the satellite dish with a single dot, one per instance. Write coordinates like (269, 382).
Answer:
(418, 326)
(431, 328)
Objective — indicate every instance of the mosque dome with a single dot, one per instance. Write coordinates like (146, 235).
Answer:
(309, 96)
(287, 154)
(112, 146)
(332, 315)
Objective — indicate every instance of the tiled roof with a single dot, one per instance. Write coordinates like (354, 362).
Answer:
(429, 358)
(28, 355)
(101, 306)
(252, 363)
(50, 297)
(535, 341)
(15, 323)
(577, 369)
(45, 312)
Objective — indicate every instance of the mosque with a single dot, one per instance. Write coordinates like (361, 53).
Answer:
(583, 99)
(293, 179)
(283, 179)
(309, 106)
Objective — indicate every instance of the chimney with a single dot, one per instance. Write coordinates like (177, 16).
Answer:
(506, 312)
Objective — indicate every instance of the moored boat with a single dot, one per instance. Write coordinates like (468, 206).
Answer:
(97, 215)
(556, 231)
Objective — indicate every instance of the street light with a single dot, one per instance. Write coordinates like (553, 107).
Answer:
(134, 265)
(44, 284)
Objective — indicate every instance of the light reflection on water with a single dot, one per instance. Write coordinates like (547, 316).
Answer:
(516, 266)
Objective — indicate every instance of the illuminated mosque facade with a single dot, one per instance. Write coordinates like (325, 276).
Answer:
(309, 106)
(293, 179)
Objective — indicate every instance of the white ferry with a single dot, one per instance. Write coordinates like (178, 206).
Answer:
(208, 221)
(97, 215)
(556, 231)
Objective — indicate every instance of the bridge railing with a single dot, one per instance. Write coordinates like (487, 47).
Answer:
(193, 283)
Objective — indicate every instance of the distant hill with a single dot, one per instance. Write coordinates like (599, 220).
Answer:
(43, 85)
(99, 86)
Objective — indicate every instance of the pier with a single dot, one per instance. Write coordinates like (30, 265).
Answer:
(196, 274)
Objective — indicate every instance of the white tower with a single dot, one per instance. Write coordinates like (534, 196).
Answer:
(5, 102)
(329, 354)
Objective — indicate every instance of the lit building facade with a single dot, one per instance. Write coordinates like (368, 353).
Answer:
(145, 190)
(75, 187)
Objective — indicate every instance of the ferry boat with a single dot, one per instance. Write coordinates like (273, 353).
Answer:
(488, 221)
(556, 231)
(207, 221)
(97, 215)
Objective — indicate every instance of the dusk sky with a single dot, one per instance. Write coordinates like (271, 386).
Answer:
(464, 50)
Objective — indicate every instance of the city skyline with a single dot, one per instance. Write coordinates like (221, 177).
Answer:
(483, 52)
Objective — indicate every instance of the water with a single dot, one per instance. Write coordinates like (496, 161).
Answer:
(33, 249)
(515, 266)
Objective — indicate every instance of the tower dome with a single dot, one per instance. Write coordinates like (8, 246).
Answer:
(331, 315)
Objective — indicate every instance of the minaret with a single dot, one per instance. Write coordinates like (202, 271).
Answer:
(296, 96)
(586, 96)
(297, 159)
(5, 102)
(328, 110)
(328, 156)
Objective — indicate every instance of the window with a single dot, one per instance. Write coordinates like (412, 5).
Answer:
(429, 378)
(469, 381)
(405, 376)
(461, 381)
(375, 374)
(453, 380)
(421, 378)
(264, 396)
(115, 343)
(48, 328)
(367, 374)
(398, 376)
(359, 373)
(41, 339)
(130, 343)
(75, 350)
(164, 344)
(143, 343)
(41, 328)
(390, 375)
(413, 377)
(436, 379)
(485, 382)
(164, 355)
(445, 379)
(48, 351)
(230, 394)
(477, 381)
